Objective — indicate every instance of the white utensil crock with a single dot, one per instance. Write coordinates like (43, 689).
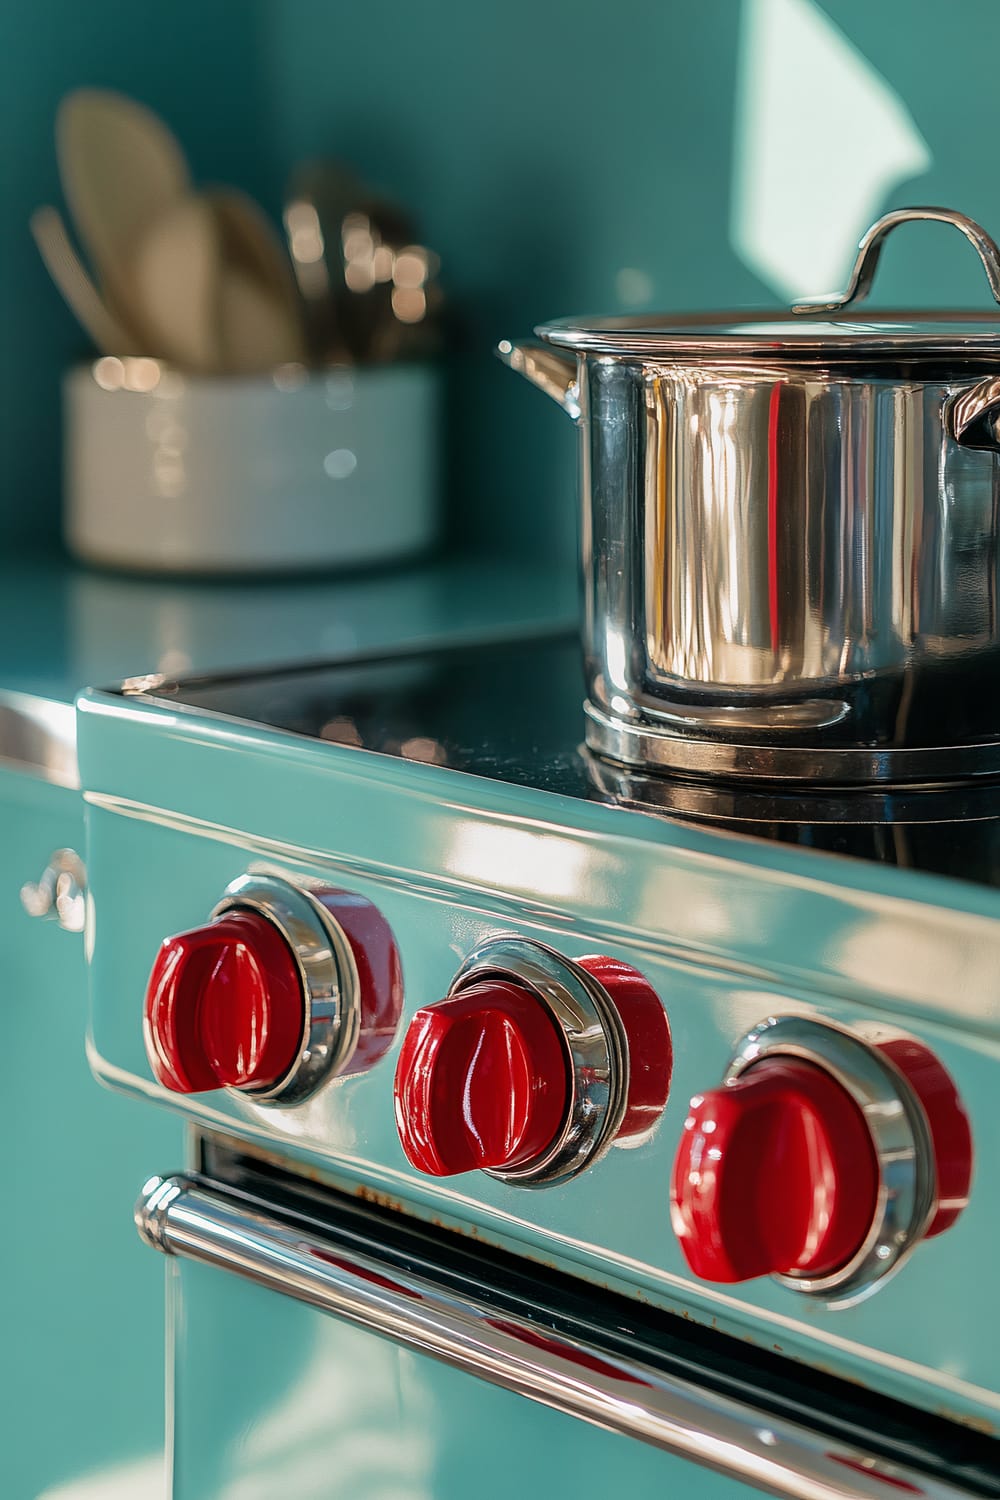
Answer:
(287, 472)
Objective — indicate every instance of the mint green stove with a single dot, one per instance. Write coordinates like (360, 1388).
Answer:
(554, 1127)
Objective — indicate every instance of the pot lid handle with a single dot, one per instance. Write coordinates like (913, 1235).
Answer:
(870, 248)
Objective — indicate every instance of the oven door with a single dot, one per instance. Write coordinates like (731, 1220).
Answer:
(272, 1396)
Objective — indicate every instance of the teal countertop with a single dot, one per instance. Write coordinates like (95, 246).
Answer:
(64, 627)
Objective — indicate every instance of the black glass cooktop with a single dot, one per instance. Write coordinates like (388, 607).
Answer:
(513, 712)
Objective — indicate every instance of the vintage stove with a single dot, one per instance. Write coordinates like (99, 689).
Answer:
(512, 1072)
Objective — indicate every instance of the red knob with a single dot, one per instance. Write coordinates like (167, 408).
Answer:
(951, 1136)
(650, 1048)
(224, 1006)
(379, 970)
(481, 1081)
(775, 1174)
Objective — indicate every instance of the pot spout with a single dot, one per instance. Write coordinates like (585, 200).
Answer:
(553, 371)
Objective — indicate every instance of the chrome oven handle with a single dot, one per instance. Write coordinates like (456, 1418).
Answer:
(185, 1217)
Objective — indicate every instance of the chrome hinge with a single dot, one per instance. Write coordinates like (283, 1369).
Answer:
(60, 893)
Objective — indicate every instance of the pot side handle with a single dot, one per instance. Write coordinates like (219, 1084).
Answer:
(553, 371)
(972, 418)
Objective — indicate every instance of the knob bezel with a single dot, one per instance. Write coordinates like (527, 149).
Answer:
(595, 1045)
(329, 976)
(900, 1138)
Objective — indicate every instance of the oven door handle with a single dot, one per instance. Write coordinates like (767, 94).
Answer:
(186, 1217)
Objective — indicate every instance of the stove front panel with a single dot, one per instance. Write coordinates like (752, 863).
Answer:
(335, 1413)
(725, 937)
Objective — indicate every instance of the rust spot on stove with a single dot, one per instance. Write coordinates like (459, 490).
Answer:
(834, 1370)
(472, 1230)
(378, 1199)
(368, 1194)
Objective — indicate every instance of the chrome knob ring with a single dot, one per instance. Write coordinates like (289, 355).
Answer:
(900, 1139)
(330, 982)
(595, 1046)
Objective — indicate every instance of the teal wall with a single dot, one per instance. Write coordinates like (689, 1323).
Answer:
(548, 144)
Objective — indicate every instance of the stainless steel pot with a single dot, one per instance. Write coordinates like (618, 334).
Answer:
(791, 538)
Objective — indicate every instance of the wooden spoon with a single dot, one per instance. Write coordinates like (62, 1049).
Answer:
(175, 274)
(214, 287)
(120, 169)
(81, 295)
(255, 332)
(262, 318)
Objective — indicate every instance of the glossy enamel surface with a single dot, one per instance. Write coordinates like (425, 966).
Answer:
(86, 1320)
(645, 1375)
(96, 628)
(334, 1413)
(774, 1175)
(726, 930)
(83, 1328)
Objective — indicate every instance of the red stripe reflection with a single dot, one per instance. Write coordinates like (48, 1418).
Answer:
(887, 1479)
(772, 512)
(556, 1346)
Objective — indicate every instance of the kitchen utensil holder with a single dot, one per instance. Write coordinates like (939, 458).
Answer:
(292, 471)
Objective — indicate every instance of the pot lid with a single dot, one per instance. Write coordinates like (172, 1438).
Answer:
(821, 328)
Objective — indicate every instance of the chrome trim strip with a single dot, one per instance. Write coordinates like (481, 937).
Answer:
(39, 735)
(182, 1216)
(329, 975)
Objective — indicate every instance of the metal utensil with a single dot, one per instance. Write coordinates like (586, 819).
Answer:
(373, 235)
(79, 292)
(320, 197)
(120, 169)
(415, 304)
